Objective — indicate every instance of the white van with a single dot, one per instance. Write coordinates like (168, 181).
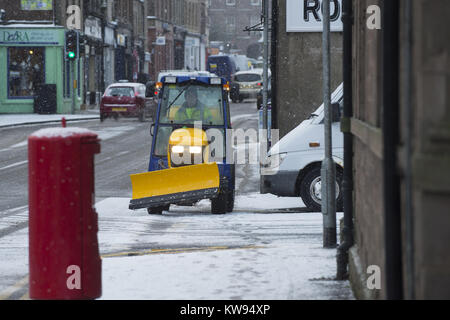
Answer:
(295, 161)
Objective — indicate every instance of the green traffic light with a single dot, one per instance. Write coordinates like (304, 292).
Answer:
(71, 54)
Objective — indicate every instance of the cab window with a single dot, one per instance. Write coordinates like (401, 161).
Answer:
(208, 106)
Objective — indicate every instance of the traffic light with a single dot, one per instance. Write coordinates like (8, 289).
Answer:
(71, 45)
(81, 45)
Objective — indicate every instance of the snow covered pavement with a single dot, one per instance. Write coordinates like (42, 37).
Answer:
(189, 254)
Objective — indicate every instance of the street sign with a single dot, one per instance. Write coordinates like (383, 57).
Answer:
(161, 41)
(306, 15)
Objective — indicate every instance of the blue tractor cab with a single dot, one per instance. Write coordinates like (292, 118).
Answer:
(188, 155)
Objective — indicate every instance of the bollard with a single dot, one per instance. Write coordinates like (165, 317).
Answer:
(64, 259)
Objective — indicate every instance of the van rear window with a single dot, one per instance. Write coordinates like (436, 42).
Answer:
(247, 77)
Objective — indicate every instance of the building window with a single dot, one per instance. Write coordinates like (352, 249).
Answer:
(230, 2)
(230, 24)
(255, 2)
(25, 71)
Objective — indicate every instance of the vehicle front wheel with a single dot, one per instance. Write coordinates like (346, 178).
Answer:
(311, 190)
(219, 205)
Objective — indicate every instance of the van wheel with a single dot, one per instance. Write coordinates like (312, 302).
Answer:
(311, 188)
(158, 210)
(219, 205)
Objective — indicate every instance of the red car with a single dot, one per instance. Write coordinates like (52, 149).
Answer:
(126, 99)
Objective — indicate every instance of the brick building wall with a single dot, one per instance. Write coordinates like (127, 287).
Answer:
(428, 274)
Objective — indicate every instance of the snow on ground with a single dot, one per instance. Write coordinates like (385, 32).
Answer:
(242, 255)
(17, 119)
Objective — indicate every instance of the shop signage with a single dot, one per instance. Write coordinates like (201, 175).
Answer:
(121, 40)
(92, 28)
(109, 36)
(36, 5)
(161, 41)
(306, 15)
(29, 36)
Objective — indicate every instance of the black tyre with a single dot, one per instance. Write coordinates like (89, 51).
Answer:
(219, 205)
(230, 201)
(310, 190)
(158, 210)
(102, 117)
(116, 116)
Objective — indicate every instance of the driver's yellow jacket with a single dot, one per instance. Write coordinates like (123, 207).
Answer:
(194, 113)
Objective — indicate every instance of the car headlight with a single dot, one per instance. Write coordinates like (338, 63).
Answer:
(177, 149)
(195, 149)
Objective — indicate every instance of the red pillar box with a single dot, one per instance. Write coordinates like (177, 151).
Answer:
(63, 248)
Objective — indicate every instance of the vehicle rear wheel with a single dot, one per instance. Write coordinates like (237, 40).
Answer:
(116, 116)
(219, 205)
(158, 210)
(102, 117)
(311, 190)
(230, 201)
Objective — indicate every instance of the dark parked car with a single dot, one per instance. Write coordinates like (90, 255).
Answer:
(127, 99)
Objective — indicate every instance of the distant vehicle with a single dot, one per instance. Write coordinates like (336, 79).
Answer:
(256, 64)
(249, 82)
(126, 99)
(222, 65)
(295, 161)
(242, 62)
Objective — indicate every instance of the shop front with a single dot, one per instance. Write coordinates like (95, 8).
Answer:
(31, 56)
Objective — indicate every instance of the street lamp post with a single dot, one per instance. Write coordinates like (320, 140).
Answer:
(328, 170)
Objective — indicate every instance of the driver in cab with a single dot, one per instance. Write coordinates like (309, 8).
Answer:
(192, 109)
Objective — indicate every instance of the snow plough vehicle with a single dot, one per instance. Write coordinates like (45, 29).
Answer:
(188, 158)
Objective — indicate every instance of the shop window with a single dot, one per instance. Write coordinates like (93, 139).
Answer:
(26, 71)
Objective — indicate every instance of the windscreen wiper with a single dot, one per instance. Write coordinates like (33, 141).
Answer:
(176, 98)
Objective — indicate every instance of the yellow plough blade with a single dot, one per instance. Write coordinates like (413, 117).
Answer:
(188, 183)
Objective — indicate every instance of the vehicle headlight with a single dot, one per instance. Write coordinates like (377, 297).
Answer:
(177, 149)
(274, 161)
(195, 149)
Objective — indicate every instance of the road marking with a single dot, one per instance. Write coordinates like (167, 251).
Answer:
(177, 250)
(14, 288)
(14, 165)
(21, 284)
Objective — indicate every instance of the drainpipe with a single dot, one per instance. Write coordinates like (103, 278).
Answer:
(391, 185)
(347, 182)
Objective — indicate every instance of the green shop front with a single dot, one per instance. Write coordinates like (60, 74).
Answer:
(31, 56)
